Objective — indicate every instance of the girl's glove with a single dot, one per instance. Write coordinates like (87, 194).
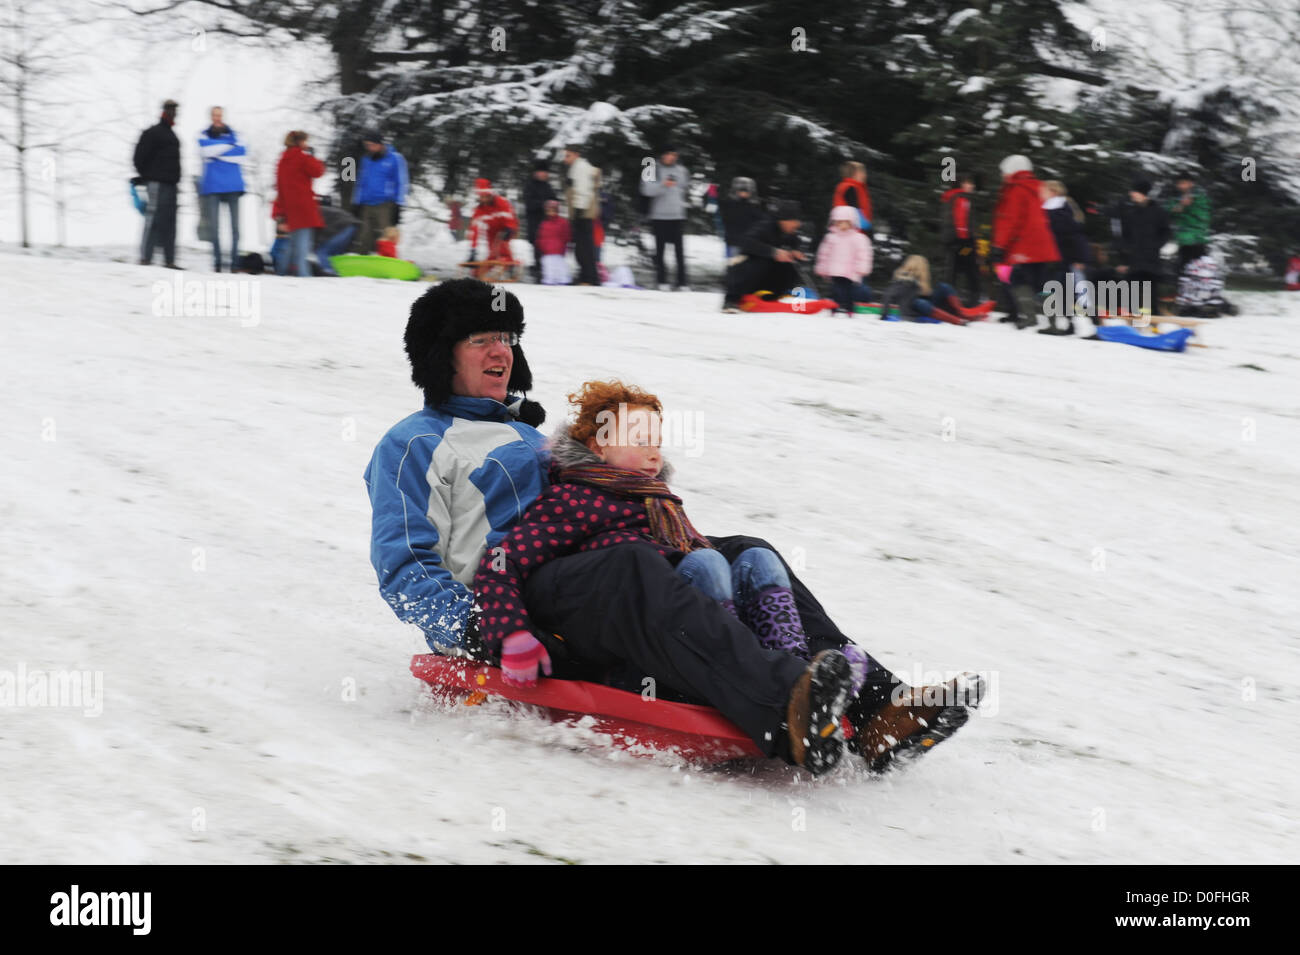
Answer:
(521, 654)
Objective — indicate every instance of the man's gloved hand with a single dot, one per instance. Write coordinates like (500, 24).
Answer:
(521, 655)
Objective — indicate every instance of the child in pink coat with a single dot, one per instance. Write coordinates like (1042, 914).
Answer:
(553, 238)
(844, 257)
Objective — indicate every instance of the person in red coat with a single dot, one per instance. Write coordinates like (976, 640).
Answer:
(1023, 239)
(552, 243)
(296, 200)
(494, 219)
(852, 191)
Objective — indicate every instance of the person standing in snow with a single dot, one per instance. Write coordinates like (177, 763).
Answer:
(382, 184)
(296, 201)
(958, 231)
(158, 166)
(582, 197)
(223, 181)
(740, 211)
(1023, 240)
(552, 242)
(1189, 217)
(768, 256)
(844, 257)
(852, 191)
(1065, 219)
(438, 509)
(538, 192)
(668, 192)
(1144, 229)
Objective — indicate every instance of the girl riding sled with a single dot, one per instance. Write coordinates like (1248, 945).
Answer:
(608, 487)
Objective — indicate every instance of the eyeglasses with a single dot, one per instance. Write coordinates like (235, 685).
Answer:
(491, 338)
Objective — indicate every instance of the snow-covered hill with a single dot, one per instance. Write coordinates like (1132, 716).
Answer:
(1108, 532)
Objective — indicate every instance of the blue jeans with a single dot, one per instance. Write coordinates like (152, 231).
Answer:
(753, 570)
(280, 254)
(942, 292)
(296, 253)
(335, 245)
(845, 292)
(215, 201)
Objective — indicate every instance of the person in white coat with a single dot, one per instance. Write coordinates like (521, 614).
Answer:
(582, 196)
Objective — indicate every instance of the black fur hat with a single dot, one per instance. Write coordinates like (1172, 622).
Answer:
(451, 311)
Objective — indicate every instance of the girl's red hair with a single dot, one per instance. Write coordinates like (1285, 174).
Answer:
(598, 396)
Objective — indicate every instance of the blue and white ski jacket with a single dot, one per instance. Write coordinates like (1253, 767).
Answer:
(222, 157)
(382, 179)
(445, 485)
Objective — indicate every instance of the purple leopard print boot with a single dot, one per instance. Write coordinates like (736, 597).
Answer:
(773, 617)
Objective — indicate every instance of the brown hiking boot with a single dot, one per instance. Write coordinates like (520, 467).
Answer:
(918, 718)
(817, 702)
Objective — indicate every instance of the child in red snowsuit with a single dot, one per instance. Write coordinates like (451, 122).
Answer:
(494, 221)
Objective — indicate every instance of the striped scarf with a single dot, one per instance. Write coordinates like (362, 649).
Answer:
(669, 524)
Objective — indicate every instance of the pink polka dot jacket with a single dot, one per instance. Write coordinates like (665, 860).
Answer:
(566, 519)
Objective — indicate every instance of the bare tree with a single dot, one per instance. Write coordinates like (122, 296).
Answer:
(34, 56)
(43, 45)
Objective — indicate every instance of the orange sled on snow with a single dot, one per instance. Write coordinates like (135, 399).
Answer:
(698, 733)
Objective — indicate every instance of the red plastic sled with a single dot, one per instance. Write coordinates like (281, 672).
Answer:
(698, 733)
(806, 306)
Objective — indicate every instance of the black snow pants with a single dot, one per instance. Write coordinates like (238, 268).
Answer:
(627, 604)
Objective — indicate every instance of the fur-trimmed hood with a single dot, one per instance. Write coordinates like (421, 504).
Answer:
(567, 452)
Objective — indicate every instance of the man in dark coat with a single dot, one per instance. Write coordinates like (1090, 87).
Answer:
(1144, 228)
(770, 250)
(158, 166)
(740, 211)
(537, 192)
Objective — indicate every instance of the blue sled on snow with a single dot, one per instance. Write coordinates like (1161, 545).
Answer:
(1169, 341)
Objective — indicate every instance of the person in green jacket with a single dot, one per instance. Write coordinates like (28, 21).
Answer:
(1189, 215)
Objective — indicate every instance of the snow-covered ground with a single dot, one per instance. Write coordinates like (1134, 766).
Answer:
(1108, 532)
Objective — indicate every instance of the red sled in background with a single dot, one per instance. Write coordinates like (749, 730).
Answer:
(636, 724)
(790, 305)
